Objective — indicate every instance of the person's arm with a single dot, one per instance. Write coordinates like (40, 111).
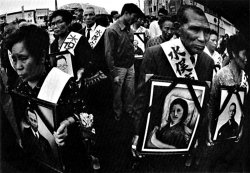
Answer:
(110, 49)
(211, 108)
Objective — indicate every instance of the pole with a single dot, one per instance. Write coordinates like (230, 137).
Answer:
(56, 5)
(22, 12)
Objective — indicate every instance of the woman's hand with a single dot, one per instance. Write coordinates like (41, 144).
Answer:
(61, 133)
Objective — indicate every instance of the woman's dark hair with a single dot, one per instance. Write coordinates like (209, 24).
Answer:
(183, 104)
(66, 16)
(34, 38)
(235, 44)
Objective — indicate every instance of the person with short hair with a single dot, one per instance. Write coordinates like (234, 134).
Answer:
(66, 40)
(210, 49)
(234, 74)
(166, 24)
(119, 52)
(29, 46)
(164, 60)
(154, 28)
(230, 128)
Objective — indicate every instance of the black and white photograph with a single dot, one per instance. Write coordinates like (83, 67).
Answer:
(139, 44)
(124, 86)
(172, 122)
(229, 122)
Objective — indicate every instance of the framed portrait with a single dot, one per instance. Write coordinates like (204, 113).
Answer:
(230, 115)
(63, 61)
(37, 127)
(173, 117)
(139, 45)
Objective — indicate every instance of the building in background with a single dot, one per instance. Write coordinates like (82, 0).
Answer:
(218, 23)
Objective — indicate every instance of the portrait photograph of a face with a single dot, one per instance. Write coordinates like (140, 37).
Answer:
(173, 119)
(229, 120)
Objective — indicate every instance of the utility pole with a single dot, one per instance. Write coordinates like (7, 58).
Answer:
(56, 5)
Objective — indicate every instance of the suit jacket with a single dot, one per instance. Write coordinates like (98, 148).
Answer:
(98, 54)
(38, 148)
(155, 62)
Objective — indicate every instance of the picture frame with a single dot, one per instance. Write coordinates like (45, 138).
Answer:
(139, 44)
(37, 128)
(230, 117)
(63, 61)
(159, 136)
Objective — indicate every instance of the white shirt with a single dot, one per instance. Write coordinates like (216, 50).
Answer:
(215, 56)
(154, 29)
(92, 31)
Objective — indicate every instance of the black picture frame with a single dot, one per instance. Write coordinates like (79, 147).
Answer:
(140, 39)
(162, 92)
(41, 146)
(231, 102)
(63, 61)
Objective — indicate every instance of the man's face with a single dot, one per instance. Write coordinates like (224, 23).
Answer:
(89, 16)
(59, 26)
(33, 120)
(212, 43)
(232, 111)
(195, 33)
(131, 18)
(167, 29)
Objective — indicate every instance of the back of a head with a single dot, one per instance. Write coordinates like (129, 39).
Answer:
(236, 43)
(113, 13)
(181, 14)
(66, 15)
(132, 8)
(35, 39)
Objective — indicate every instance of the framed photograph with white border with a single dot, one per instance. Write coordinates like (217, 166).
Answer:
(139, 45)
(37, 128)
(230, 115)
(63, 61)
(174, 114)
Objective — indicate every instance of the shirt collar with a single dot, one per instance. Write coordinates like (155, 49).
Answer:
(92, 27)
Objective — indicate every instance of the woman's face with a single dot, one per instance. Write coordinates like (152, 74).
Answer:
(25, 65)
(241, 59)
(59, 26)
(176, 113)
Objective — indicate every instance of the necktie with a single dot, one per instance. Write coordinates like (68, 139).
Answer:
(88, 33)
(192, 59)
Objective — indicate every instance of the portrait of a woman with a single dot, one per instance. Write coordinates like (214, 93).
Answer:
(172, 135)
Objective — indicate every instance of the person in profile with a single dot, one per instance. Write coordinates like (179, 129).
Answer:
(172, 135)
(138, 50)
(230, 128)
(35, 145)
(61, 63)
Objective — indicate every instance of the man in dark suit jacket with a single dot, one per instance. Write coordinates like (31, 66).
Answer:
(99, 93)
(194, 33)
(35, 145)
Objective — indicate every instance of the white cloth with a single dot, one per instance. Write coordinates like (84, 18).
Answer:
(154, 29)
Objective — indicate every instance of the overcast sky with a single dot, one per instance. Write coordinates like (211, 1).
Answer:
(9, 6)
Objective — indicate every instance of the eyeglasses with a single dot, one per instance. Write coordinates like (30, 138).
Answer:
(59, 22)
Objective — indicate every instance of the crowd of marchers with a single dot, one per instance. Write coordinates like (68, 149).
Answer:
(59, 83)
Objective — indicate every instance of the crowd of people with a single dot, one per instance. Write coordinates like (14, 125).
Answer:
(76, 100)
